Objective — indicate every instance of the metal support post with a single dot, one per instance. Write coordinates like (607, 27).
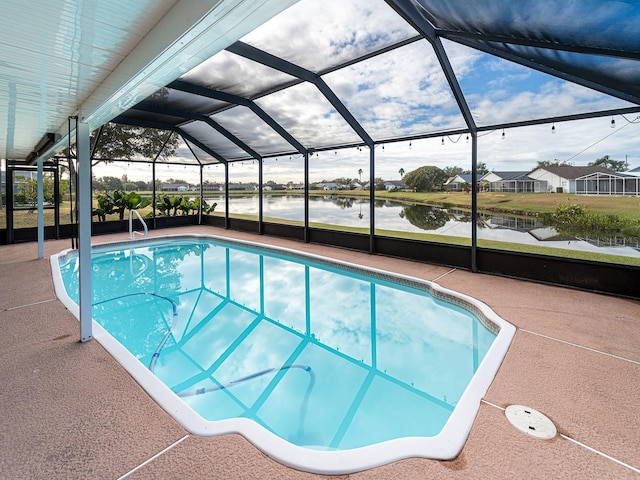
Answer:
(474, 201)
(372, 199)
(306, 197)
(84, 227)
(260, 200)
(40, 208)
(226, 195)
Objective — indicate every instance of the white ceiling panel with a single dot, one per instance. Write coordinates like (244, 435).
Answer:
(54, 54)
(95, 58)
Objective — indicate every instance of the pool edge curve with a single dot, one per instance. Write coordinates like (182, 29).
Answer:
(446, 445)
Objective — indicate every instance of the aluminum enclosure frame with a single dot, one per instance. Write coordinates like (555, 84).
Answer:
(432, 25)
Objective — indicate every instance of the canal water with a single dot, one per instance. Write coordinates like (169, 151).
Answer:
(406, 217)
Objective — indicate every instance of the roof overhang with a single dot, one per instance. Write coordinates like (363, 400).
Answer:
(96, 60)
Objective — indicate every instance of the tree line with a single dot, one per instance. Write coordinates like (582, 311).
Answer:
(430, 178)
(111, 184)
(606, 162)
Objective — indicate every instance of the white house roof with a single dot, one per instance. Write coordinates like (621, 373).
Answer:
(460, 178)
(512, 175)
(571, 172)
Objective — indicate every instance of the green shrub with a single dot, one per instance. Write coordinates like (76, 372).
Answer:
(574, 220)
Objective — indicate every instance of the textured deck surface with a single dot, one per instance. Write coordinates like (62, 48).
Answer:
(70, 411)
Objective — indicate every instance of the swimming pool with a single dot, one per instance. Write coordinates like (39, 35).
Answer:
(324, 366)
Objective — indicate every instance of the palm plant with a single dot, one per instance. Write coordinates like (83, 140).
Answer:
(164, 205)
(185, 205)
(169, 205)
(105, 207)
(128, 201)
(206, 208)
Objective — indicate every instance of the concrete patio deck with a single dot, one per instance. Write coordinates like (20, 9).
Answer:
(70, 411)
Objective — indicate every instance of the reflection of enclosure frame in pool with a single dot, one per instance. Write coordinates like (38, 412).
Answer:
(447, 444)
(309, 337)
(170, 331)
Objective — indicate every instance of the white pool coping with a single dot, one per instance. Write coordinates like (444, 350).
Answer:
(444, 446)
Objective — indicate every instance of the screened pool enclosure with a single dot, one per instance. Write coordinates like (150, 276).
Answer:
(369, 91)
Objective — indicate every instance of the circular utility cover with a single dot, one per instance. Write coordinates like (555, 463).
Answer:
(531, 422)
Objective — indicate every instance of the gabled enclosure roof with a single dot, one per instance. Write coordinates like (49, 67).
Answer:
(608, 174)
(343, 73)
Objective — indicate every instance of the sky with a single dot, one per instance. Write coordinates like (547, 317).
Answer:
(396, 94)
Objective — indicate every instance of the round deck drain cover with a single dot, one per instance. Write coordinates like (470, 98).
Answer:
(530, 421)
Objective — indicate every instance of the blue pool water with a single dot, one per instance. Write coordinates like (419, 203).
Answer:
(322, 356)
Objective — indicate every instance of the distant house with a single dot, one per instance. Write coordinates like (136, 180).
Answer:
(273, 186)
(327, 186)
(242, 186)
(513, 182)
(457, 182)
(563, 179)
(174, 187)
(391, 185)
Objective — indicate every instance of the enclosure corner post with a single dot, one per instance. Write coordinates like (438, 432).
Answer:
(40, 208)
(260, 199)
(84, 221)
(226, 195)
(306, 197)
(372, 199)
(474, 201)
(154, 192)
(201, 195)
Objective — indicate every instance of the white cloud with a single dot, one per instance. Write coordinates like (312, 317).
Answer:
(235, 74)
(329, 32)
(521, 149)
(399, 93)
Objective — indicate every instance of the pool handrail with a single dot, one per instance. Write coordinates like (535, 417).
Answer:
(132, 232)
